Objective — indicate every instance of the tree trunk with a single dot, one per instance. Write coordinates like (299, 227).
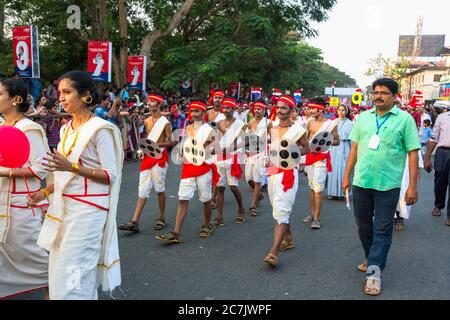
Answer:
(121, 76)
(152, 37)
(2, 24)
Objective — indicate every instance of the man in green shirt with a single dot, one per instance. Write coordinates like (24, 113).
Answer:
(382, 138)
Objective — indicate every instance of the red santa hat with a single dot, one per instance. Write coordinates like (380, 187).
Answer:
(155, 97)
(277, 92)
(195, 105)
(229, 102)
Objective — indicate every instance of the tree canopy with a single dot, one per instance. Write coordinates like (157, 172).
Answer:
(256, 42)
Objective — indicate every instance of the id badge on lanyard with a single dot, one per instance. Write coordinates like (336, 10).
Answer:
(374, 142)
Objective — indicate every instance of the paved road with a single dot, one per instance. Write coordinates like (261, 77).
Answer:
(229, 265)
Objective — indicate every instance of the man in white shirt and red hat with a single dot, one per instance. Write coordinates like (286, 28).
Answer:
(201, 175)
(318, 164)
(153, 171)
(254, 162)
(215, 115)
(283, 179)
(230, 171)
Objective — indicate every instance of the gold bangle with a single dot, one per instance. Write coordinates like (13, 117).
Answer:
(10, 173)
(75, 167)
(46, 192)
(93, 173)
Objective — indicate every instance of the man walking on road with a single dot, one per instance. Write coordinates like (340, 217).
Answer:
(382, 138)
(440, 139)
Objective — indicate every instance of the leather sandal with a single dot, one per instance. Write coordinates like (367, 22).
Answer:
(132, 226)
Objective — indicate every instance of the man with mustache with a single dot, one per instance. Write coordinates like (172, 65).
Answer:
(254, 161)
(213, 117)
(283, 182)
(194, 176)
(382, 138)
(318, 164)
(228, 160)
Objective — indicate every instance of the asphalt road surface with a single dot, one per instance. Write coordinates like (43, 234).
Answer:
(229, 264)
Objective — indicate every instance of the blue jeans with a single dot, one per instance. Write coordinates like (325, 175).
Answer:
(374, 214)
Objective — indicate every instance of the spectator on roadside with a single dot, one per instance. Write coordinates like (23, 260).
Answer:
(425, 133)
(384, 132)
(52, 91)
(440, 139)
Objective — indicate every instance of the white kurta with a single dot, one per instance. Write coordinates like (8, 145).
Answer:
(75, 253)
(23, 264)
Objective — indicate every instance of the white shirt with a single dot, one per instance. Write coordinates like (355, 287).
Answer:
(241, 116)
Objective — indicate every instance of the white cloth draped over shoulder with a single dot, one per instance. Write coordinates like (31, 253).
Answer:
(83, 212)
(23, 264)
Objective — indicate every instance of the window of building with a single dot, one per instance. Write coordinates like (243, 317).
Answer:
(437, 77)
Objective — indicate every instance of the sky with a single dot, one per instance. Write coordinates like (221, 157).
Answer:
(357, 30)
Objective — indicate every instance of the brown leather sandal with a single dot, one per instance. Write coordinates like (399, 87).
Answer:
(271, 260)
(160, 224)
(132, 226)
(205, 231)
(171, 237)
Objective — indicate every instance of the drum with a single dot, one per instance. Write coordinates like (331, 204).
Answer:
(194, 152)
(254, 144)
(150, 148)
(284, 154)
(321, 142)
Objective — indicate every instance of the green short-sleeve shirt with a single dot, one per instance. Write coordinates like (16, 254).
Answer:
(382, 169)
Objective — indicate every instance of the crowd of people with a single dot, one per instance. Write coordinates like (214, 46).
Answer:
(80, 137)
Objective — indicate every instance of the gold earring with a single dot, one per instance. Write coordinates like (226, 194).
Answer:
(87, 100)
(20, 100)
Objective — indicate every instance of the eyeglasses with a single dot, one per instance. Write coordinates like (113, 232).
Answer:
(383, 93)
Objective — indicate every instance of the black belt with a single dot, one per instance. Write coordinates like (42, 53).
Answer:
(446, 148)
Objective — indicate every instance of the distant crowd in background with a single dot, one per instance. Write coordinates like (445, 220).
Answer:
(128, 109)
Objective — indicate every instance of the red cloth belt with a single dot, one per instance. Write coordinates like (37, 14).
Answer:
(312, 158)
(236, 170)
(192, 171)
(149, 162)
(288, 176)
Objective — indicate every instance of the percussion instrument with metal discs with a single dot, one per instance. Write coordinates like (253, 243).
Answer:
(321, 142)
(254, 144)
(194, 152)
(150, 148)
(213, 124)
(284, 154)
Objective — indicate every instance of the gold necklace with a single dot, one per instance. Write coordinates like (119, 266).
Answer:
(66, 132)
(15, 121)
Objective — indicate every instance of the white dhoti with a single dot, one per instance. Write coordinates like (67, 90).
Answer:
(282, 201)
(254, 169)
(23, 264)
(190, 185)
(154, 178)
(74, 257)
(226, 178)
(317, 176)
